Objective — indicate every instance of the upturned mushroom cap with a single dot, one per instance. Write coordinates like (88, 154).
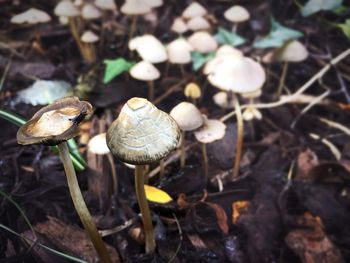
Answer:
(235, 73)
(89, 37)
(292, 51)
(90, 12)
(193, 10)
(198, 23)
(66, 8)
(144, 71)
(179, 51)
(236, 14)
(192, 90)
(98, 144)
(135, 7)
(211, 131)
(149, 48)
(106, 4)
(31, 16)
(187, 116)
(142, 134)
(179, 26)
(203, 42)
(54, 123)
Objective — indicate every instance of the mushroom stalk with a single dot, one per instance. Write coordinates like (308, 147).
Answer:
(114, 173)
(150, 90)
(80, 205)
(183, 153)
(205, 160)
(239, 145)
(73, 26)
(132, 26)
(150, 243)
(161, 168)
(283, 78)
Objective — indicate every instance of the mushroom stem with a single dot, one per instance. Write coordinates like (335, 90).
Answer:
(161, 168)
(239, 145)
(150, 243)
(114, 173)
(80, 205)
(234, 27)
(132, 26)
(183, 150)
(150, 90)
(283, 78)
(73, 26)
(205, 160)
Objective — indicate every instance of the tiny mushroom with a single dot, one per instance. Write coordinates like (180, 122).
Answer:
(54, 125)
(221, 99)
(142, 134)
(179, 51)
(98, 145)
(179, 26)
(211, 131)
(198, 23)
(106, 5)
(31, 16)
(189, 118)
(145, 71)
(89, 38)
(193, 10)
(203, 42)
(90, 12)
(193, 91)
(236, 14)
(149, 48)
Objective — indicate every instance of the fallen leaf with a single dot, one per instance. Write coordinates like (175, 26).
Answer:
(221, 216)
(156, 195)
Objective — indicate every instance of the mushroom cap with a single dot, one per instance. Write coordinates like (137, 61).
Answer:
(149, 48)
(90, 12)
(251, 113)
(153, 3)
(142, 134)
(198, 23)
(66, 8)
(292, 51)
(135, 7)
(225, 50)
(54, 123)
(236, 14)
(193, 10)
(235, 73)
(187, 116)
(89, 37)
(31, 16)
(203, 42)
(98, 144)
(106, 4)
(179, 51)
(222, 101)
(179, 26)
(192, 90)
(211, 131)
(145, 71)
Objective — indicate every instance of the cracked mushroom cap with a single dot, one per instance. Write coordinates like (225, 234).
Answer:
(193, 10)
(144, 71)
(211, 131)
(149, 48)
(55, 123)
(236, 14)
(135, 7)
(142, 134)
(66, 8)
(31, 16)
(187, 116)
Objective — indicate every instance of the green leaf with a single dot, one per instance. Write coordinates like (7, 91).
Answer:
(345, 27)
(314, 6)
(115, 67)
(278, 36)
(230, 38)
(198, 59)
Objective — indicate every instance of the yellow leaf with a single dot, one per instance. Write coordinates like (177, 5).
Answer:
(156, 195)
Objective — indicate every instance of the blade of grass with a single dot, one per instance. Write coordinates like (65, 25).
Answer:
(78, 161)
(54, 251)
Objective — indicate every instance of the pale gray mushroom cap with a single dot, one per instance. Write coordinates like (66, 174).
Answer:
(31, 16)
(293, 51)
(142, 134)
(90, 12)
(106, 4)
(98, 144)
(211, 131)
(66, 8)
(187, 116)
(144, 71)
(193, 10)
(236, 14)
(179, 26)
(135, 7)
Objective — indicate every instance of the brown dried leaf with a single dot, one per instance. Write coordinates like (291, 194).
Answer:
(221, 216)
(238, 208)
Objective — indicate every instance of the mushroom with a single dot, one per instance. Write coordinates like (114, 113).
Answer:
(153, 3)
(179, 26)
(142, 134)
(179, 52)
(134, 8)
(235, 73)
(90, 12)
(198, 23)
(193, 10)
(54, 125)
(106, 5)
(236, 14)
(221, 99)
(145, 71)
(211, 131)
(89, 38)
(189, 118)
(98, 145)
(193, 91)
(203, 42)
(149, 48)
